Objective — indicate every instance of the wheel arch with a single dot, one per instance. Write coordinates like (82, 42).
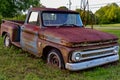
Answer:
(4, 33)
(46, 51)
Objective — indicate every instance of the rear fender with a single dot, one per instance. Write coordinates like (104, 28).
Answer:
(12, 30)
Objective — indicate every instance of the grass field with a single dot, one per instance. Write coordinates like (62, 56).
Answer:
(16, 64)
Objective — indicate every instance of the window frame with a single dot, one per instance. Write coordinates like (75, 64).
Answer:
(55, 12)
(38, 18)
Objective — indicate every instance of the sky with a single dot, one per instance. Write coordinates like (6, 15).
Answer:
(94, 4)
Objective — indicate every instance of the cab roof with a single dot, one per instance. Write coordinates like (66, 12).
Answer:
(50, 9)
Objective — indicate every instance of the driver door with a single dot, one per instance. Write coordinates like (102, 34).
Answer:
(29, 33)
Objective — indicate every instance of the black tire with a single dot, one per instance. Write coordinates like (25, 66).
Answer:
(7, 41)
(55, 59)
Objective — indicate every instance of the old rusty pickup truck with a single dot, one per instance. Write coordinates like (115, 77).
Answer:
(61, 39)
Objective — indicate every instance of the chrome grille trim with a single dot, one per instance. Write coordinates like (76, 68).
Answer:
(97, 53)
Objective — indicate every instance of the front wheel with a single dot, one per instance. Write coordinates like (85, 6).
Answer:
(7, 41)
(55, 59)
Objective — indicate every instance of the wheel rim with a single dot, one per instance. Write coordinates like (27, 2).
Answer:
(7, 41)
(53, 60)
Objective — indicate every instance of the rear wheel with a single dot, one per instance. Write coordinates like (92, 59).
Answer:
(7, 41)
(55, 59)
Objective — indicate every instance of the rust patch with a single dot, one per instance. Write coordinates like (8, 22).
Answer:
(79, 34)
(75, 37)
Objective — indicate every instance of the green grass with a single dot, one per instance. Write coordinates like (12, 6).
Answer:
(16, 64)
(110, 25)
(106, 25)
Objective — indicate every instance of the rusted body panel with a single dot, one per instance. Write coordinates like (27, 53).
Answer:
(29, 37)
(60, 38)
(12, 28)
(66, 51)
(79, 35)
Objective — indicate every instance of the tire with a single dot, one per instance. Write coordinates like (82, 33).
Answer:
(7, 41)
(55, 59)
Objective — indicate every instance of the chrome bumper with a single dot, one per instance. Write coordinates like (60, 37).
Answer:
(91, 63)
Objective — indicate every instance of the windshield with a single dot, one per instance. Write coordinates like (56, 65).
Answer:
(61, 19)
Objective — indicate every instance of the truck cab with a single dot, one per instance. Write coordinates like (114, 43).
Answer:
(61, 39)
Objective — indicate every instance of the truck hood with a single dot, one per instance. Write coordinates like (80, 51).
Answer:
(76, 35)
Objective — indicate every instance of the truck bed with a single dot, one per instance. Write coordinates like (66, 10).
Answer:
(16, 22)
(13, 22)
(12, 25)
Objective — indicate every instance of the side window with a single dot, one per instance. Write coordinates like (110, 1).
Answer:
(34, 18)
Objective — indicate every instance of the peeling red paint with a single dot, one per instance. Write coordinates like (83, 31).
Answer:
(78, 35)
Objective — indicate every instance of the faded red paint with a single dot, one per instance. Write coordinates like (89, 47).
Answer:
(78, 35)
(36, 28)
(50, 9)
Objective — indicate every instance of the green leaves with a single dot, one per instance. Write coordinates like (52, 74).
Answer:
(11, 8)
(87, 16)
(108, 14)
(63, 8)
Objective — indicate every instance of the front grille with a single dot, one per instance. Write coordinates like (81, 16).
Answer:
(97, 53)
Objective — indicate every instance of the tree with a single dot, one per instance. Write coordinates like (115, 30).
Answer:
(63, 8)
(87, 16)
(11, 8)
(108, 14)
(25, 4)
(7, 8)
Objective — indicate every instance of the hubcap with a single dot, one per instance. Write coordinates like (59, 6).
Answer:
(53, 60)
(7, 41)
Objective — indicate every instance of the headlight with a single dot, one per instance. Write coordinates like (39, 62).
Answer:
(116, 49)
(76, 56)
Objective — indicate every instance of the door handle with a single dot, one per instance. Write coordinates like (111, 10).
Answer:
(22, 28)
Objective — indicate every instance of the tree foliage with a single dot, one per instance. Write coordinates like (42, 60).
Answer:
(108, 14)
(11, 8)
(87, 16)
(63, 8)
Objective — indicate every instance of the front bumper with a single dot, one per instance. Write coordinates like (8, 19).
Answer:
(91, 63)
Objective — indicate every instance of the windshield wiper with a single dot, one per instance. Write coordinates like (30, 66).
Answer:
(68, 25)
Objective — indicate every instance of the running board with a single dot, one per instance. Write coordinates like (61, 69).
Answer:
(16, 44)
